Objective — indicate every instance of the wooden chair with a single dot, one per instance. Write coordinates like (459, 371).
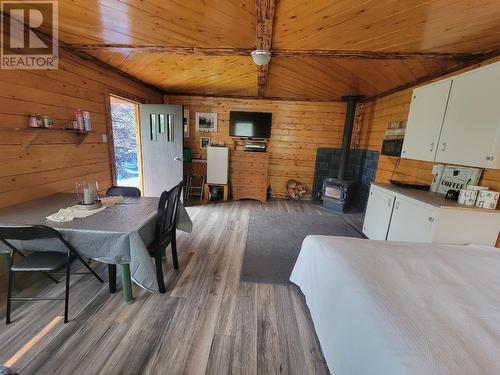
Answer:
(195, 186)
(38, 261)
(125, 191)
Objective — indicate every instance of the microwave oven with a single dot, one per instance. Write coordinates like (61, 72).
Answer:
(392, 147)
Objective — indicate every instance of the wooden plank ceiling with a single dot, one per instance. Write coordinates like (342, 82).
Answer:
(322, 49)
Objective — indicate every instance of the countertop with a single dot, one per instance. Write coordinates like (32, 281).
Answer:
(433, 199)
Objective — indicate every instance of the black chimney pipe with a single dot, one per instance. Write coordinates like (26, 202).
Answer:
(351, 102)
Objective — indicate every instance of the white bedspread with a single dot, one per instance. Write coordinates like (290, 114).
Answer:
(383, 307)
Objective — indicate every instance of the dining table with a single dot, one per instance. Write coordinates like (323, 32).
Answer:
(119, 234)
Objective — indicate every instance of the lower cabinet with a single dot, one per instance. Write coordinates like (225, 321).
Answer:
(395, 216)
(378, 214)
(411, 222)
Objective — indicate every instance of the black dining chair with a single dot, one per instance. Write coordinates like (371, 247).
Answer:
(125, 191)
(39, 261)
(165, 231)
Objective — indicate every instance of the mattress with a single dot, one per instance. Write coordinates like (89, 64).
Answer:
(383, 307)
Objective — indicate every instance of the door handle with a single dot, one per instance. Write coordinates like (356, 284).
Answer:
(177, 158)
(443, 146)
(397, 205)
(432, 147)
(389, 202)
(431, 219)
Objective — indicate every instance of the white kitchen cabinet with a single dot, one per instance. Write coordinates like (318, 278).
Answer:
(411, 221)
(471, 128)
(378, 214)
(457, 120)
(425, 119)
(399, 214)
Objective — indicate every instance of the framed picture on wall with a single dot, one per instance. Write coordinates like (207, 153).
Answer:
(204, 142)
(206, 122)
(185, 122)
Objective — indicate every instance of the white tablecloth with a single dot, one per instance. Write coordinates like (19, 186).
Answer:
(119, 234)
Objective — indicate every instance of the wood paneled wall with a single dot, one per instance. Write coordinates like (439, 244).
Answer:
(298, 129)
(54, 160)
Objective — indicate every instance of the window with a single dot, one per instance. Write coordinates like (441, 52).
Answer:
(126, 142)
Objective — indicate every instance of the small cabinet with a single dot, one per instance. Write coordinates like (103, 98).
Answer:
(471, 128)
(412, 222)
(378, 214)
(427, 110)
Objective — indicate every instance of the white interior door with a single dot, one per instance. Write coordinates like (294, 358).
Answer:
(411, 222)
(427, 109)
(471, 128)
(162, 144)
(378, 214)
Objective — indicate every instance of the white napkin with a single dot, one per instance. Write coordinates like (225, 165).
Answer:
(70, 213)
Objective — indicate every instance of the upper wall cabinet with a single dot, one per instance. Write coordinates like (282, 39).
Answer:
(471, 128)
(428, 105)
(457, 120)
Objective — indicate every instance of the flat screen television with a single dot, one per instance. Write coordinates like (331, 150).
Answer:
(250, 124)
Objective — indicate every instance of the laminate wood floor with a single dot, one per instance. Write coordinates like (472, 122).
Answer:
(207, 323)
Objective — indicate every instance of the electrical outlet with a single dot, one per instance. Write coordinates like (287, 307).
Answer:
(104, 138)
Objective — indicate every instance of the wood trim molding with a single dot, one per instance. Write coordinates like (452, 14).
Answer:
(436, 75)
(339, 54)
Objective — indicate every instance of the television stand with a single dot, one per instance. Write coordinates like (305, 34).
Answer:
(248, 173)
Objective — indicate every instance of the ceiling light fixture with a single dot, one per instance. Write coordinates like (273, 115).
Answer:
(261, 56)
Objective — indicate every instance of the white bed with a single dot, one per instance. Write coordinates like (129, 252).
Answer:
(382, 307)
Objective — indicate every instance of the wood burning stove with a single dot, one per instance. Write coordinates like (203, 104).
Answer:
(337, 194)
(338, 191)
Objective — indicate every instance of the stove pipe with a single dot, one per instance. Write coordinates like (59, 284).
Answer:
(351, 102)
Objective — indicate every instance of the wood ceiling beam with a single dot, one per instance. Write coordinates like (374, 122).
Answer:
(339, 54)
(265, 20)
(247, 97)
(262, 74)
(113, 47)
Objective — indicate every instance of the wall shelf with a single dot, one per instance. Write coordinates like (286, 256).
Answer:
(32, 133)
